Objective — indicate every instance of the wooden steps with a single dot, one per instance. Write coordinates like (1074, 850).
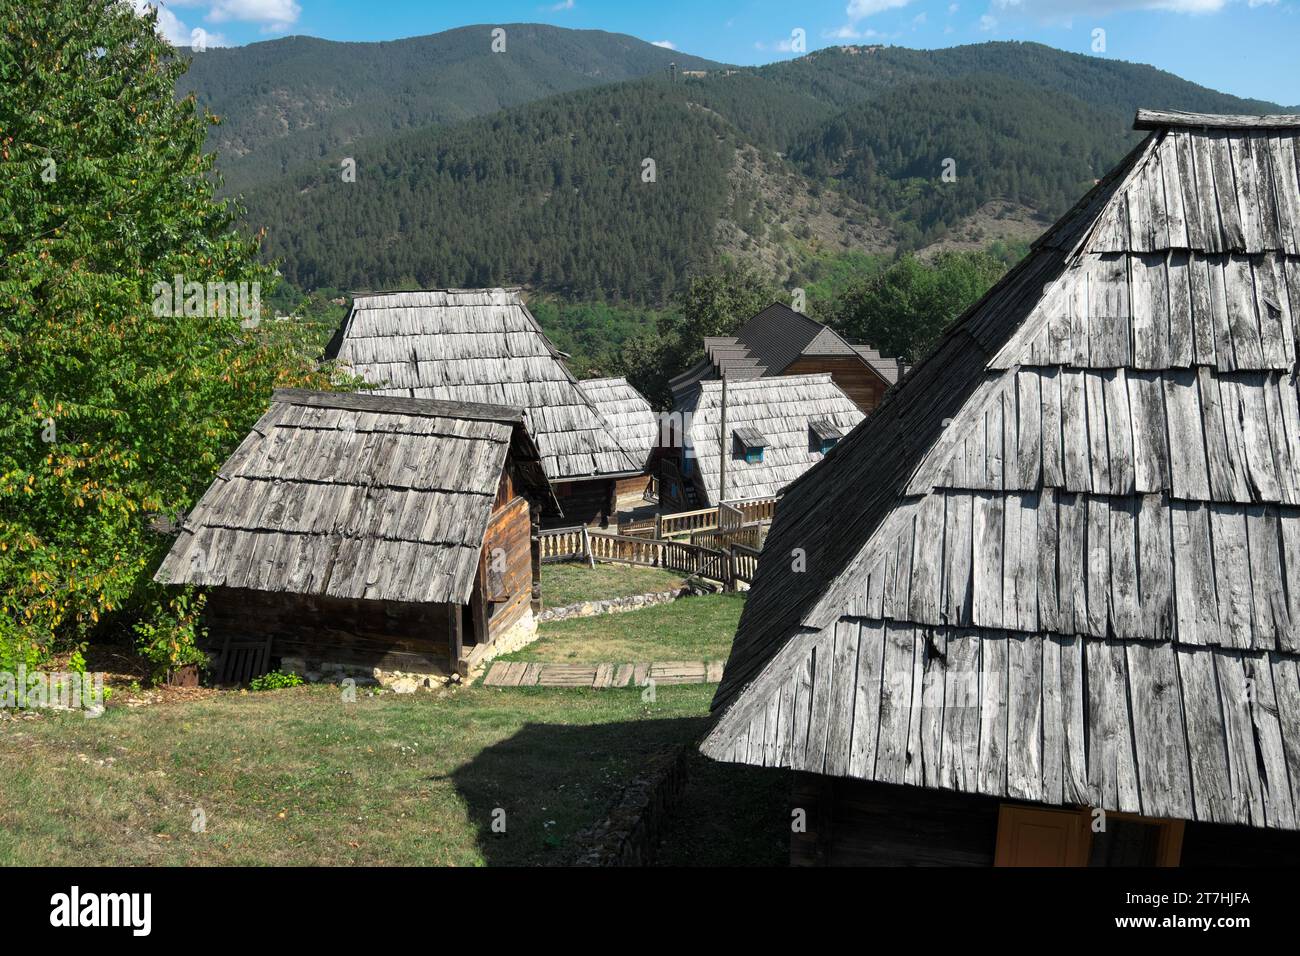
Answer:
(533, 674)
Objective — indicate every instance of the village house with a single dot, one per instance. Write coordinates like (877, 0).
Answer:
(485, 346)
(1048, 610)
(634, 425)
(781, 341)
(775, 429)
(370, 536)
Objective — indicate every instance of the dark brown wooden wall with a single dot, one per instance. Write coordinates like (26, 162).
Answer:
(855, 823)
(510, 530)
(632, 486)
(584, 502)
(862, 385)
(367, 633)
(1209, 844)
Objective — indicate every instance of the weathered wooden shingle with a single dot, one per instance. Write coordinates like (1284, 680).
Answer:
(626, 413)
(1079, 515)
(774, 414)
(357, 496)
(481, 346)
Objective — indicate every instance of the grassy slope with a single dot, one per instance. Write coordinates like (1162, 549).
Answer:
(569, 583)
(692, 629)
(298, 777)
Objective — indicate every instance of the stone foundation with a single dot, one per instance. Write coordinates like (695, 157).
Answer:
(314, 670)
(633, 602)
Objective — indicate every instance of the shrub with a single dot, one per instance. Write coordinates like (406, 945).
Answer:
(274, 680)
(168, 638)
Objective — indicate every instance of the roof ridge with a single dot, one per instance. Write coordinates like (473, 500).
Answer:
(1164, 119)
(398, 405)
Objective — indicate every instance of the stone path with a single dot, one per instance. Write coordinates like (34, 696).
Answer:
(534, 674)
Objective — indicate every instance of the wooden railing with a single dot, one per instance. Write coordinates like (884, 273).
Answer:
(750, 535)
(678, 556)
(730, 514)
(744, 563)
(756, 509)
(639, 528)
(563, 544)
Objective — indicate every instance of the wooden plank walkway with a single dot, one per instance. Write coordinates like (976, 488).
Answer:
(532, 674)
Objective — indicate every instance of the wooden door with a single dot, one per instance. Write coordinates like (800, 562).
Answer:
(1034, 836)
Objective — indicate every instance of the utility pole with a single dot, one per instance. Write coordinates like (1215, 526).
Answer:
(722, 438)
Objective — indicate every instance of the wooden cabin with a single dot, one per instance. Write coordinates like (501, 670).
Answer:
(1051, 605)
(635, 427)
(484, 345)
(370, 534)
(776, 429)
(780, 341)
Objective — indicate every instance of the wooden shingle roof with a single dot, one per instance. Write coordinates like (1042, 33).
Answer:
(626, 413)
(1061, 562)
(355, 496)
(775, 413)
(768, 343)
(481, 346)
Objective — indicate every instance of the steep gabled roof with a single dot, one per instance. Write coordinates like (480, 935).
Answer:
(480, 345)
(626, 413)
(1060, 562)
(776, 412)
(768, 343)
(355, 496)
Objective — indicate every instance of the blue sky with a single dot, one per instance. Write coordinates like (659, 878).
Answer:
(1246, 47)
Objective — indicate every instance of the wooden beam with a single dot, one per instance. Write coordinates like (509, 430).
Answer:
(1160, 119)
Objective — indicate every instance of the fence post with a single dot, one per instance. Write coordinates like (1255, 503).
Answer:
(586, 548)
(731, 570)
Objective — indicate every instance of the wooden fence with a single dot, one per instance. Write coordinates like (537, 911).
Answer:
(744, 563)
(730, 514)
(566, 544)
(563, 544)
(750, 535)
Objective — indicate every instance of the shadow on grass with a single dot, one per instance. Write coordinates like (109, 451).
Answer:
(533, 796)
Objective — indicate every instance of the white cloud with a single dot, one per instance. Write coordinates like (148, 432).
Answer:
(172, 29)
(988, 23)
(274, 15)
(666, 44)
(562, 5)
(952, 8)
(918, 19)
(860, 9)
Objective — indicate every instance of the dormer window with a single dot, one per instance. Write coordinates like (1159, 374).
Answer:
(825, 434)
(750, 444)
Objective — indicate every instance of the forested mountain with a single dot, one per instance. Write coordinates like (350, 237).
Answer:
(555, 195)
(550, 194)
(299, 99)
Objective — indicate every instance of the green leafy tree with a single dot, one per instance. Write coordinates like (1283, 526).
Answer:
(113, 415)
(903, 310)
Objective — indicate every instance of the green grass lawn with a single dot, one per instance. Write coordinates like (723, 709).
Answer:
(299, 777)
(571, 583)
(690, 629)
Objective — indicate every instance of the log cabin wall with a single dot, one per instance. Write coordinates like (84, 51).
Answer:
(509, 575)
(855, 823)
(388, 635)
(852, 375)
(584, 502)
(632, 486)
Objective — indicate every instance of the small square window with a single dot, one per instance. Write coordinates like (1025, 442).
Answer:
(753, 455)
